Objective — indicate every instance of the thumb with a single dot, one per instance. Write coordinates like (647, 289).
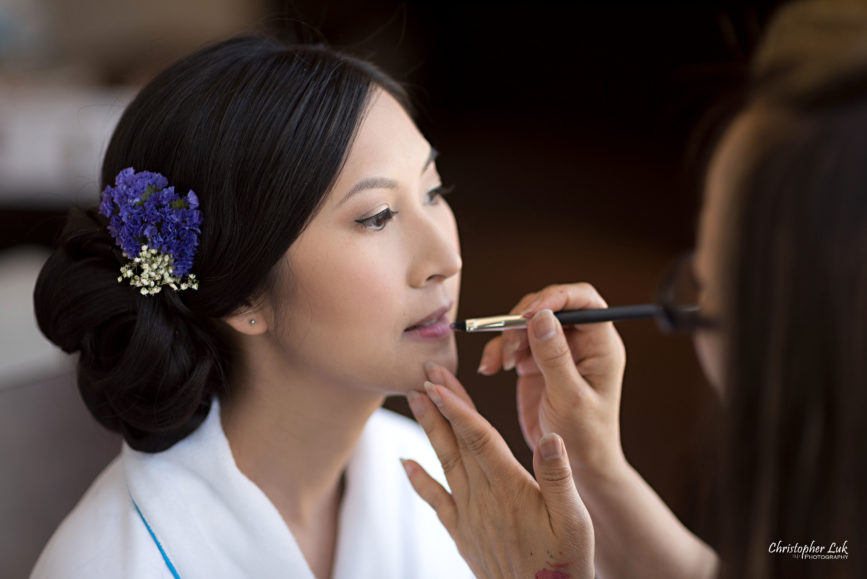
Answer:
(554, 475)
(551, 351)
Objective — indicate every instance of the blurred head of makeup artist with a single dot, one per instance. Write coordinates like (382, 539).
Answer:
(781, 272)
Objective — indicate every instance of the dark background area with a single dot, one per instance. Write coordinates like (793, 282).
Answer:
(575, 134)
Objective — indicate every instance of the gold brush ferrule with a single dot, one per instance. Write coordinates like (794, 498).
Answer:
(496, 323)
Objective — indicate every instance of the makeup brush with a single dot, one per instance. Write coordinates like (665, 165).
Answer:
(566, 317)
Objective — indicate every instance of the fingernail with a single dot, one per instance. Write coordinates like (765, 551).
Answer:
(513, 344)
(433, 371)
(483, 366)
(544, 325)
(408, 467)
(509, 363)
(432, 393)
(551, 446)
(528, 311)
(415, 403)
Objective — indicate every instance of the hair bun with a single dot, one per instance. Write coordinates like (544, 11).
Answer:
(812, 47)
(77, 288)
(146, 369)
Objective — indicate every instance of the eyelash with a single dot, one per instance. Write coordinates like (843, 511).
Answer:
(378, 222)
(433, 196)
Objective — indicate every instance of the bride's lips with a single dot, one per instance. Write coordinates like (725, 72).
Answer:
(433, 327)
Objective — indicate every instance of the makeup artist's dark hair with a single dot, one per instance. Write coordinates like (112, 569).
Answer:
(796, 366)
(259, 130)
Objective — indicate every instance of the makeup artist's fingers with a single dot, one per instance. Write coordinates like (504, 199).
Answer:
(433, 494)
(510, 525)
(492, 357)
(581, 401)
(556, 297)
(597, 348)
(524, 302)
(481, 445)
(439, 374)
(567, 296)
(568, 514)
(443, 440)
(554, 475)
(515, 340)
(526, 365)
(529, 398)
(553, 354)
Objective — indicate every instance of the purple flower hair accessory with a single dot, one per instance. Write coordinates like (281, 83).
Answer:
(157, 230)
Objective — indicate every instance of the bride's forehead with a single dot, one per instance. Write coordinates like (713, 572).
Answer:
(385, 125)
(387, 141)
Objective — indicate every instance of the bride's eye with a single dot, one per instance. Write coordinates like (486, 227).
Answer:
(434, 195)
(378, 221)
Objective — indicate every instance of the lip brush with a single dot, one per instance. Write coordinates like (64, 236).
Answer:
(566, 317)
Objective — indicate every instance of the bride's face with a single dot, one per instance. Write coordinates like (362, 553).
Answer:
(373, 280)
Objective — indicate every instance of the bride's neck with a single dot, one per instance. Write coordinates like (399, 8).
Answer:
(292, 434)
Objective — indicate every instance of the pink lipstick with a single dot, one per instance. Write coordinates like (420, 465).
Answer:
(433, 327)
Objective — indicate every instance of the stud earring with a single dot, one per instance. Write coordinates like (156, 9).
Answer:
(252, 322)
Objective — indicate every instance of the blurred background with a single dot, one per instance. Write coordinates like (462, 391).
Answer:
(575, 133)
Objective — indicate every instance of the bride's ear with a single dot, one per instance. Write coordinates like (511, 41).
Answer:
(252, 322)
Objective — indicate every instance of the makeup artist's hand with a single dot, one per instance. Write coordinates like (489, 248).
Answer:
(569, 379)
(505, 523)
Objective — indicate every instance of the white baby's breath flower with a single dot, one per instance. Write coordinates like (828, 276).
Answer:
(152, 270)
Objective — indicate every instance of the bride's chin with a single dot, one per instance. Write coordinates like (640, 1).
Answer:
(411, 375)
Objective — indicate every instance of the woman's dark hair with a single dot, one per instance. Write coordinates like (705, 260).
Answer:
(259, 130)
(796, 349)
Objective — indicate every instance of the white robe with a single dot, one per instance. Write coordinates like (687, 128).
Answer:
(211, 521)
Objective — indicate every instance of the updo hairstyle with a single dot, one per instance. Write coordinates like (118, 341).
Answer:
(259, 130)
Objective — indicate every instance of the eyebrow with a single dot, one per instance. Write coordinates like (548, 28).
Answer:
(383, 182)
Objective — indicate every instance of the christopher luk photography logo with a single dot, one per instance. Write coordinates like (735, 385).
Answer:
(812, 551)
